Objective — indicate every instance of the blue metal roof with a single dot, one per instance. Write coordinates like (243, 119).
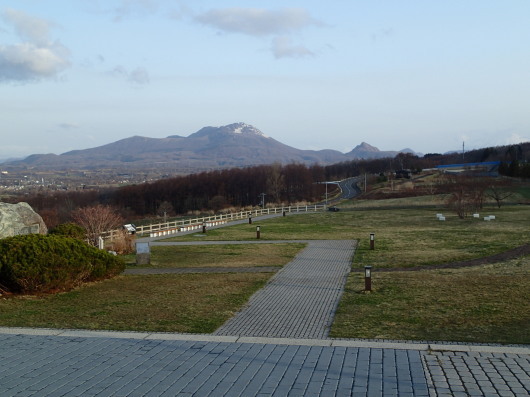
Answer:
(486, 163)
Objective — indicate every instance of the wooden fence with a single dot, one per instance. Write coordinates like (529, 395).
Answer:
(160, 228)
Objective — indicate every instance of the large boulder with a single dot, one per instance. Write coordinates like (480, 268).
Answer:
(18, 219)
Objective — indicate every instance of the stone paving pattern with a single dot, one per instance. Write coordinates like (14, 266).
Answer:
(478, 374)
(301, 299)
(75, 363)
(74, 366)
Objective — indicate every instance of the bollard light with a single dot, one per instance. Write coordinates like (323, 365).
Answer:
(250, 220)
(204, 227)
(368, 278)
(257, 232)
(372, 241)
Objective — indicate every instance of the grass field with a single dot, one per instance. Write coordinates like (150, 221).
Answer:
(229, 256)
(480, 304)
(196, 303)
(404, 237)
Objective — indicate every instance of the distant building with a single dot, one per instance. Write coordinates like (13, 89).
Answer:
(488, 168)
(403, 174)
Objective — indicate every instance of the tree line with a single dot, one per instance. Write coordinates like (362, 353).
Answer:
(244, 187)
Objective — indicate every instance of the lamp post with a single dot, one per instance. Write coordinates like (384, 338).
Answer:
(257, 232)
(372, 241)
(368, 278)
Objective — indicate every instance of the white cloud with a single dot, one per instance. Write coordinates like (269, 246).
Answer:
(37, 56)
(137, 76)
(260, 22)
(68, 126)
(26, 61)
(282, 47)
(257, 22)
(32, 29)
(129, 8)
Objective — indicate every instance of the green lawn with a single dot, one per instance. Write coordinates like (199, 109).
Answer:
(197, 303)
(404, 237)
(481, 304)
(231, 255)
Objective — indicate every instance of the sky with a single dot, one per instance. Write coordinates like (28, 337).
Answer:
(428, 75)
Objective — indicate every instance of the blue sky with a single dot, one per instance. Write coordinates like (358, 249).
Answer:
(427, 75)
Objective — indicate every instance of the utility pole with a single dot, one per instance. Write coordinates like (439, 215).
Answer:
(262, 200)
(365, 182)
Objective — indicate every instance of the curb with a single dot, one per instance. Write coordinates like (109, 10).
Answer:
(397, 345)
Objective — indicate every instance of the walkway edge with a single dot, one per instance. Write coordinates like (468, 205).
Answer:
(261, 340)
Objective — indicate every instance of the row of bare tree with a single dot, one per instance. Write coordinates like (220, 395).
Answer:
(243, 187)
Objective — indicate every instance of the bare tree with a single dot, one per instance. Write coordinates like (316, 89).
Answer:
(275, 182)
(165, 209)
(498, 193)
(467, 195)
(96, 220)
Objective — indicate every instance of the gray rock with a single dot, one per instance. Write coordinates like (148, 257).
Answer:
(20, 219)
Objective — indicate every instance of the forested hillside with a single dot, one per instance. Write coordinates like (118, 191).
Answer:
(243, 187)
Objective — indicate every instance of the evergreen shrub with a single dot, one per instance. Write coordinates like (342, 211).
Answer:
(69, 230)
(48, 263)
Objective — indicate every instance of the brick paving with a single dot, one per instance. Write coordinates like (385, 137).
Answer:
(98, 363)
(38, 365)
(478, 373)
(300, 300)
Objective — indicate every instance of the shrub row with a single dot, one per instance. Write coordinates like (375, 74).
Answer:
(37, 263)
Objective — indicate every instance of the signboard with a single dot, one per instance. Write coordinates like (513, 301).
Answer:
(142, 248)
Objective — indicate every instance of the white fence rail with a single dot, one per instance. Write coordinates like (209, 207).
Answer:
(221, 218)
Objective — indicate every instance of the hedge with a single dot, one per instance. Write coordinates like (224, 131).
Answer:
(69, 230)
(38, 263)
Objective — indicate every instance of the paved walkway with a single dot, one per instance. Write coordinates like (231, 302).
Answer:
(74, 363)
(300, 300)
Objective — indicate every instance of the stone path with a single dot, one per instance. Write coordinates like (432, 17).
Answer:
(478, 374)
(97, 363)
(300, 300)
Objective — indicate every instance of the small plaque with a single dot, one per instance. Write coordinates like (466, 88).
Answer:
(142, 248)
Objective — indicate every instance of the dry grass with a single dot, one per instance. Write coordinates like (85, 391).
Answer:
(232, 255)
(483, 304)
(196, 303)
(404, 237)
(486, 304)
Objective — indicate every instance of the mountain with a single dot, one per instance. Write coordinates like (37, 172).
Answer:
(233, 145)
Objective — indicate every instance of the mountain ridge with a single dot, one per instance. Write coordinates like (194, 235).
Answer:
(232, 145)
